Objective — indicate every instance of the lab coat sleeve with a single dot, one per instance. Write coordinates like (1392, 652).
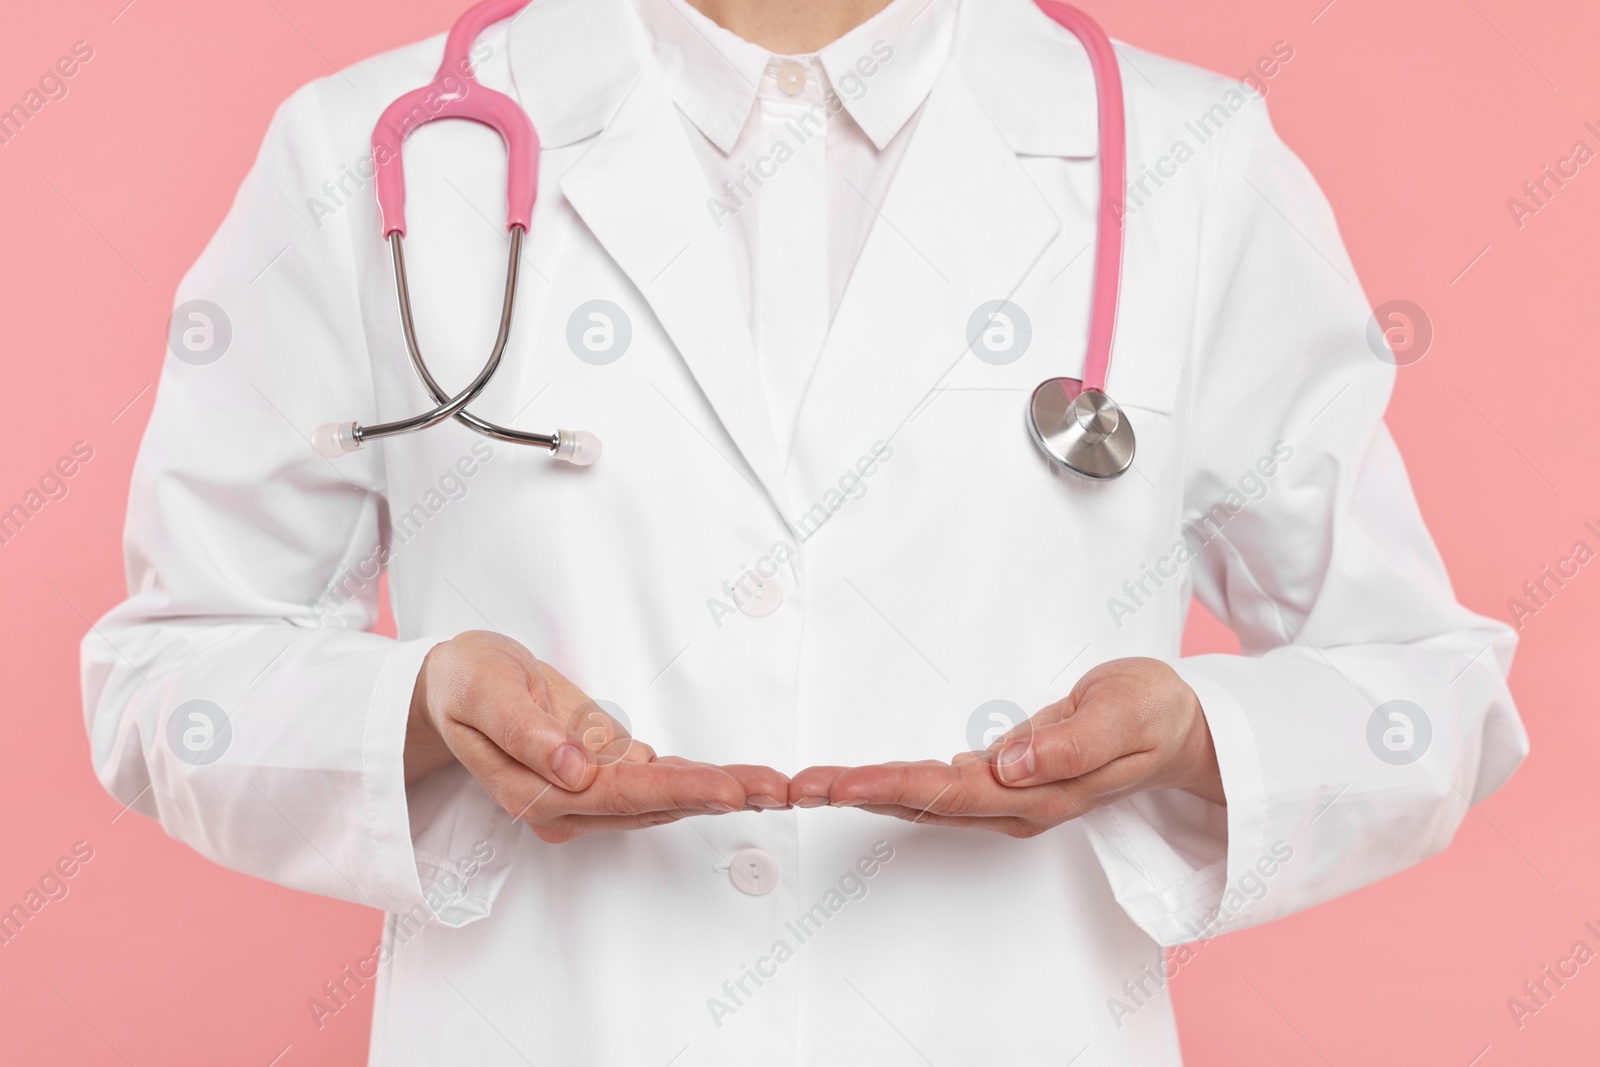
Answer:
(1310, 546)
(235, 695)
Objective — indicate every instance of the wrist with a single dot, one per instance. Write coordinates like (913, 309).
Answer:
(1203, 774)
(426, 750)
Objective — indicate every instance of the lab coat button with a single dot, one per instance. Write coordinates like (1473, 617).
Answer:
(754, 872)
(761, 596)
(792, 78)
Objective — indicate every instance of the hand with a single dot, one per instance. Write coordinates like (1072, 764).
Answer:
(1128, 725)
(550, 756)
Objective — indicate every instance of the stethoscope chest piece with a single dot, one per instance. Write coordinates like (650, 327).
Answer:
(1080, 430)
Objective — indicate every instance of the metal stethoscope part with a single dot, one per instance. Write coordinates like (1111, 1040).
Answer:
(1079, 429)
(572, 446)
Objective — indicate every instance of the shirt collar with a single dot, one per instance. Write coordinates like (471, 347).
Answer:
(715, 76)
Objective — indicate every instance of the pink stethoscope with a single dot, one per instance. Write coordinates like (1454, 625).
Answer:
(1073, 422)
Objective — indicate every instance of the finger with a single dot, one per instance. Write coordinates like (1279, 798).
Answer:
(1015, 812)
(966, 788)
(566, 828)
(605, 740)
(621, 749)
(507, 714)
(764, 788)
(810, 788)
(509, 784)
(1061, 710)
(629, 799)
(1001, 824)
(1072, 748)
(628, 788)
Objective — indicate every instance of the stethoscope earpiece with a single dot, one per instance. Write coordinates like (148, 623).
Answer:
(1080, 430)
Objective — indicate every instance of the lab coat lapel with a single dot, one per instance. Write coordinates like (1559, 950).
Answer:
(644, 195)
(961, 225)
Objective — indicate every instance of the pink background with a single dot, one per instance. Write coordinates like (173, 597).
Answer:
(1419, 117)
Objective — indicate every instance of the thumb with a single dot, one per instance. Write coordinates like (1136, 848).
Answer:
(515, 715)
(1058, 750)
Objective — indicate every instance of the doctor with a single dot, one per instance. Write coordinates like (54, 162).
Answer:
(799, 267)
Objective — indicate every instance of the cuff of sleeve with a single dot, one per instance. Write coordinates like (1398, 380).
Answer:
(454, 882)
(1171, 857)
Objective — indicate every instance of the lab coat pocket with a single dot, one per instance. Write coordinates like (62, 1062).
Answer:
(1009, 354)
(1145, 375)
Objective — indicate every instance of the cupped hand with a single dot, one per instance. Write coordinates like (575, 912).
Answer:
(552, 757)
(1127, 726)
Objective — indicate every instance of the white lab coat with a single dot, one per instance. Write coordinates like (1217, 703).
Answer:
(959, 570)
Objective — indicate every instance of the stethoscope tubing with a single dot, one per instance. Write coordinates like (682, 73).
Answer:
(453, 406)
(1111, 113)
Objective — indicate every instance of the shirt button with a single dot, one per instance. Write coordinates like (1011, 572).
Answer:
(753, 871)
(792, 78)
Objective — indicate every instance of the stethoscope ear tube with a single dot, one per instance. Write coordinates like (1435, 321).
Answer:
(576, 447)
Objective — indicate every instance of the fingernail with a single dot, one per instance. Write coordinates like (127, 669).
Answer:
(719, 807)
(570, 766)
(853, 802)
(1016, 762)
(762, 800)
(810, 802)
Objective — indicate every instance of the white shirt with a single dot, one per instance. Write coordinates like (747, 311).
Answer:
(798, 153)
